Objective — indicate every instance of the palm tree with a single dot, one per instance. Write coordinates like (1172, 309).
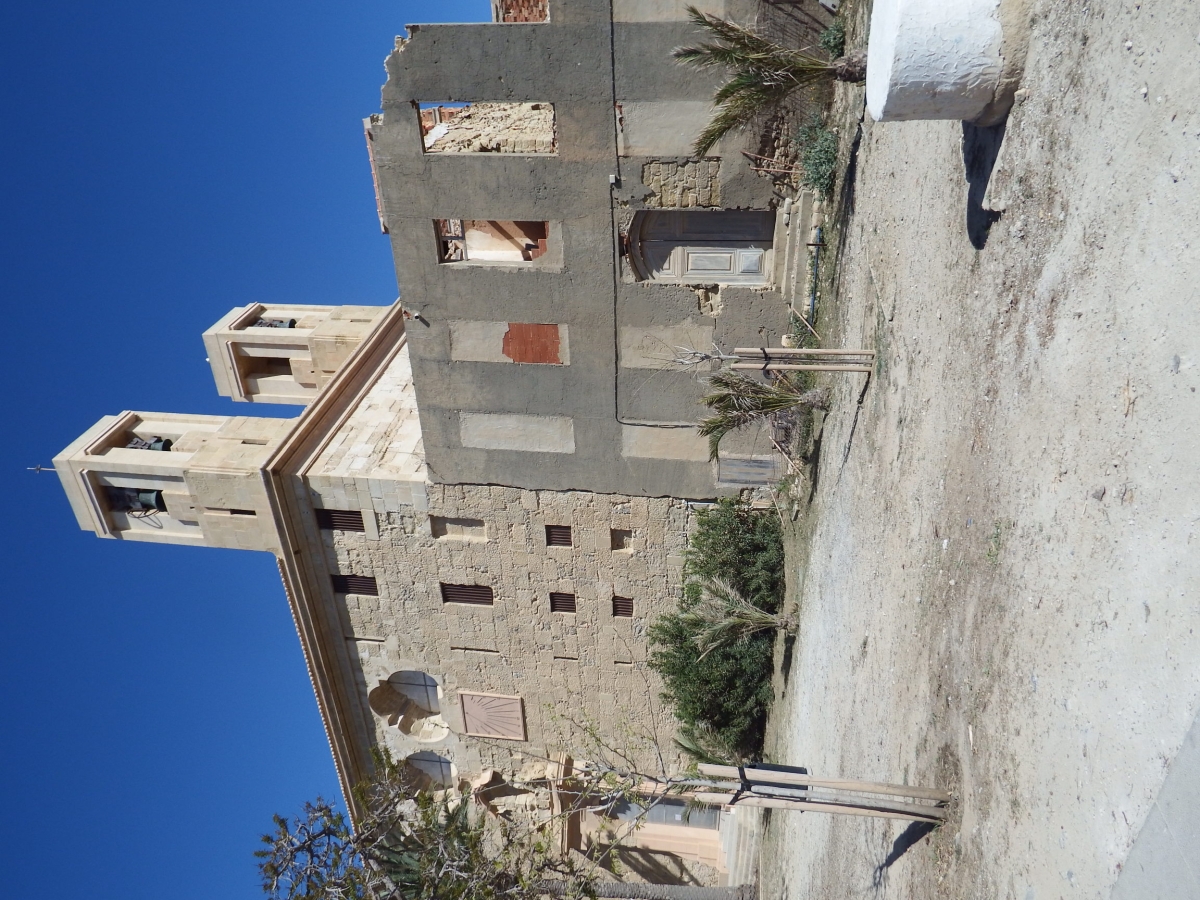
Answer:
(737, 401)
(761, 73)
(723, 617)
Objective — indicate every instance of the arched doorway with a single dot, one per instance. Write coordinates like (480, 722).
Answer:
(410, 701)
(429, 771)
(703, 246)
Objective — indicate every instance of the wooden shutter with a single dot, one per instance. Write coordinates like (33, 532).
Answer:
(558, 536)
(564, 603)
(340, 519)
(355, 584)
(479, 594)
(491, 715)
(623, 606)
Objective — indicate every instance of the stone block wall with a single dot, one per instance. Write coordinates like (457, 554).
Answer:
(683, 184)
(520, 10)
(586, 666)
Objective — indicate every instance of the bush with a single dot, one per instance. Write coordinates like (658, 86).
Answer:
(833, 39)
(818, 157)
(726, 695)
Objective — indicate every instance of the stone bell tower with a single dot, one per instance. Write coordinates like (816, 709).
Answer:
(276, 353)
(175, 479)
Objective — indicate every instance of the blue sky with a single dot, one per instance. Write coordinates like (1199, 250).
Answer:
(162, 162)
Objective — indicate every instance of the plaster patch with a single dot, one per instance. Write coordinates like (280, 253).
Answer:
(661, 127)
(505, 431)
(509, 342)
(654, 442)
(654, 347)
(663, 10)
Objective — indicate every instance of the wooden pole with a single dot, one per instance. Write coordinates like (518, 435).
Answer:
(809, 806)
(768, 352)
(772, 776)
(787, 367)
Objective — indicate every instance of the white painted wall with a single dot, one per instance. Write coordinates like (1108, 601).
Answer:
(933, 59)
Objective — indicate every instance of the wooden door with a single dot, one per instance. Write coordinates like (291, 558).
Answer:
(729, 246)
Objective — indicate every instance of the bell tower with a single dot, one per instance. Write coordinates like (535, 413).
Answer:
(276, 353)
(174, 478)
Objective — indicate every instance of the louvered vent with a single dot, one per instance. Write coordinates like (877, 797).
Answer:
(558, 536)
(564, 603)
(340, 519)
(623, 606)
(355, 584)
(479, 594)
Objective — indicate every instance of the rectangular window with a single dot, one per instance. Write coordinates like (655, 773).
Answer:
(491, 241)
(562, 603)
(504, 127)
(476, 594)
(620, 538)
(340, 519)
(355, 584)
(558, 536)
(623, 607)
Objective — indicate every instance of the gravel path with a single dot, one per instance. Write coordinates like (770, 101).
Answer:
(1003, 592)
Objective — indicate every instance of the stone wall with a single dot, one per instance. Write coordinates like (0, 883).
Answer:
(584, 666)
(520, 10)
(493, 128)
(682, 184)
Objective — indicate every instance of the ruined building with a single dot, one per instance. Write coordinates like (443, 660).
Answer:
(486, 497)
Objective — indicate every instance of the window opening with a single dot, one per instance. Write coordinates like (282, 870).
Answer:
(558, 536)
(270, 322)
(488, 127)
(622, 606)
(513, 11)
(476, 594)
(620, 538)
(137, 502)
(429, 771)
(155, 443)
(242, 512)
(355, 584)
(562, 603)
(340, 519)
(494, 241)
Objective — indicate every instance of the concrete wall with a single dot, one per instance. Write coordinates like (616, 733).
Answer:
(569, 62)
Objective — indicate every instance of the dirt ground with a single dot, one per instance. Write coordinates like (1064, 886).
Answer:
(1001, 588)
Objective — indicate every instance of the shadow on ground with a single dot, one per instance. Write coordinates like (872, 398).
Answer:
(910, 836)
(980, 147)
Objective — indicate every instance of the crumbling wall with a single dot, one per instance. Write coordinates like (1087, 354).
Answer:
(521, 10)
(683, 184)
(493, 128)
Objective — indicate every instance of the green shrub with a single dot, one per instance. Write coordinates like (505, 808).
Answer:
(818, 157)
(727, 694)
(833, 39)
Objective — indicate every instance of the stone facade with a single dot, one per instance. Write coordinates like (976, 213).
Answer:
(587, 665)
(491, 128)
(682, 184)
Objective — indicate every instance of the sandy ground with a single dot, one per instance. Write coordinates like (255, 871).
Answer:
(1003, 590)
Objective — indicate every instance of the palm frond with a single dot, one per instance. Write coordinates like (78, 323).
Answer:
(762, 74)
(737, 401)
(723, 617)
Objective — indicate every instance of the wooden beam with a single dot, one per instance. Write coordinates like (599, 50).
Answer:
(807, 806)
(772, 776)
